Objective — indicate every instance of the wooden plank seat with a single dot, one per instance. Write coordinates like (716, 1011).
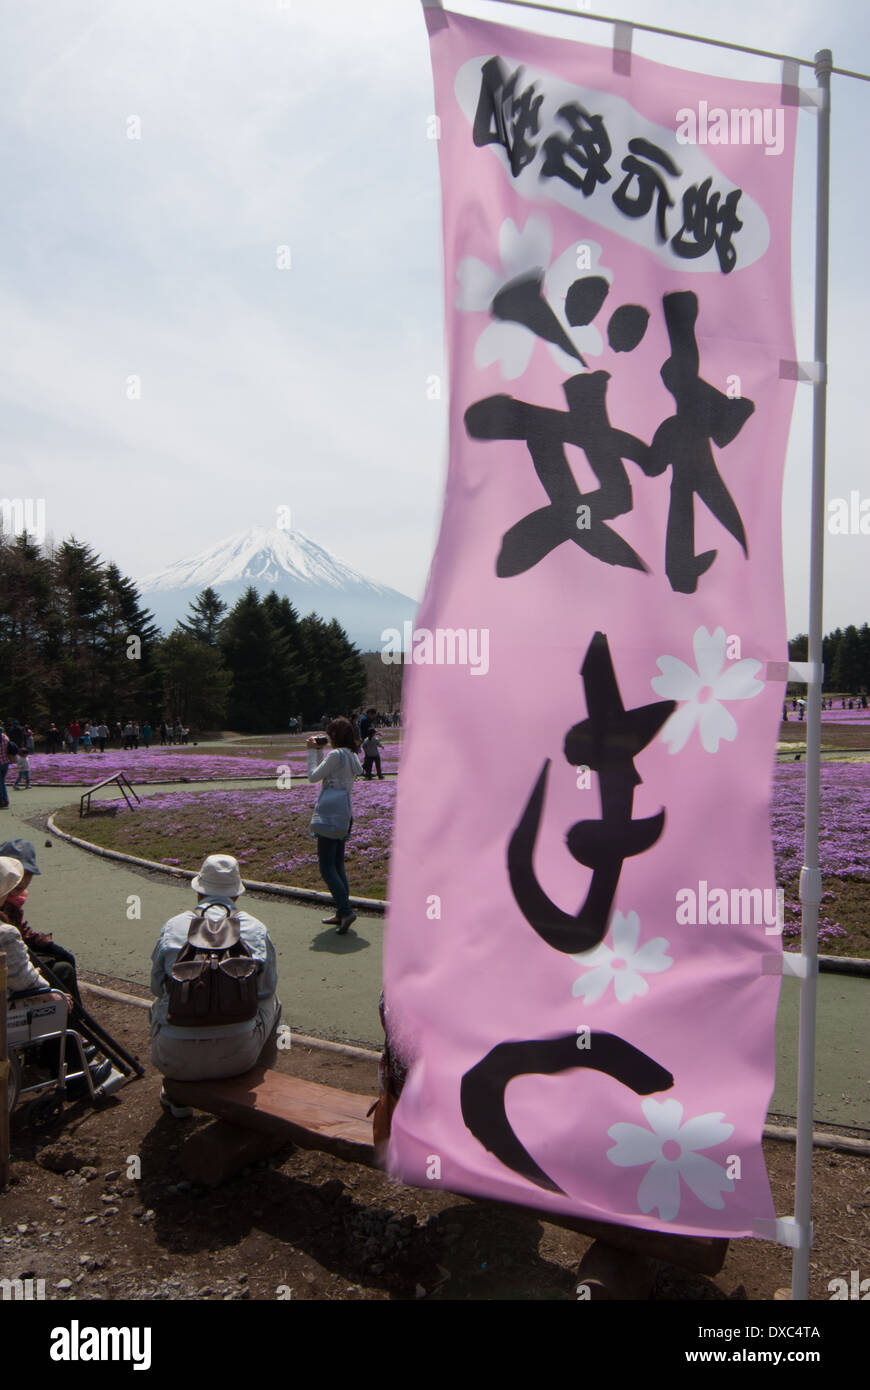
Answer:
(287, 1109)
(303, 1112)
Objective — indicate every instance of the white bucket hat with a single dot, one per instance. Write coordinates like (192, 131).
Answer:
(219, 876)
(11, 874)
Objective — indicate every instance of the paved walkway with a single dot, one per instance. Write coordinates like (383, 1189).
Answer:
(330, 984)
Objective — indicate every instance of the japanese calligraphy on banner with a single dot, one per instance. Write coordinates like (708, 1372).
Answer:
(582, 955)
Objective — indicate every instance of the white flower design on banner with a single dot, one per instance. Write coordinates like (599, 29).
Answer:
(522, 254)
(701, 692)
(623, 965)
(672, 1149)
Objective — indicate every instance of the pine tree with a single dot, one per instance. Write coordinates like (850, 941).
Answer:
(285, 620)
(131, 685)
(25, 590)
(77, 597)
(255, 653)
(847, 662)
(205, 617)
(196, 682)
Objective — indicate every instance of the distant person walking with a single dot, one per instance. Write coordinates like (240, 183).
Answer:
(337, 770)
(5, 760)
(23, 765)
(371, 746)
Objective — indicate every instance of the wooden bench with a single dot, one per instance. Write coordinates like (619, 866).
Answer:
(281, 1109)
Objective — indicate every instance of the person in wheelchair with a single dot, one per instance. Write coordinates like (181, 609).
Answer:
(23, 973)
(41, 945)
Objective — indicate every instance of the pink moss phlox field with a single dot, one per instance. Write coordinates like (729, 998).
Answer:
(267, 828)
(844, 821)
(145, 765)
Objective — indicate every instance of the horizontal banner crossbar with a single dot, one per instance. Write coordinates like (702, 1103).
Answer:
(668, 33)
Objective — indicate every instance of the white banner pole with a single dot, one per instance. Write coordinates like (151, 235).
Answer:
(811, 879)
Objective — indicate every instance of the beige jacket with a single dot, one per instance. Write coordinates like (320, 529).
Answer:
(20, 973)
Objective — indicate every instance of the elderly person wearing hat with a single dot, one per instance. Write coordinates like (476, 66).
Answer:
(205, 1053)
(21, 973)
(60, 961)
(27, 950)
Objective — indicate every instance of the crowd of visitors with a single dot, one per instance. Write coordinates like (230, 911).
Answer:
(799, 706)
(130, 734)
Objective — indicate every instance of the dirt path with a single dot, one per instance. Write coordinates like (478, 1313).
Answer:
(326, 1229)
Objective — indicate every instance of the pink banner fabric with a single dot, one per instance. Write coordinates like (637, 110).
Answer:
(582, 952)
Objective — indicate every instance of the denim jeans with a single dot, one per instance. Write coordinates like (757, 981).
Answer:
(4, 794)
(330, 855)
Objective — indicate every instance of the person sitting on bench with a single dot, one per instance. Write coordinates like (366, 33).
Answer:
(200, 1052)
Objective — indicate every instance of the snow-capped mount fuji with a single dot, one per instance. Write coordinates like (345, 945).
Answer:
(292, 564)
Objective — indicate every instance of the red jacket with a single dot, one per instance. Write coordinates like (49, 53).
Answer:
(13, 911)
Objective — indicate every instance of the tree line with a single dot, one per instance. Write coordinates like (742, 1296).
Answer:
(75, 642)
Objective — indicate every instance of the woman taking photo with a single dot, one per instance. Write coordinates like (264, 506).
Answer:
(337, 770)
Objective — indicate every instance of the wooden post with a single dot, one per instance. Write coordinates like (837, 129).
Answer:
(4, 1082)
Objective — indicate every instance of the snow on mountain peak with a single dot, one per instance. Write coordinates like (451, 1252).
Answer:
(262, 555)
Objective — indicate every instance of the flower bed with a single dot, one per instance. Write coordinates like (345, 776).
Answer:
(267, 830)
(184, 763)
(264, 828)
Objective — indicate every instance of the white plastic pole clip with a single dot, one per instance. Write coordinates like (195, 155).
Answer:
(793, 94)
(789, 963)
(816, 372)
(622, 48)
(798, 672)
(785, 1230)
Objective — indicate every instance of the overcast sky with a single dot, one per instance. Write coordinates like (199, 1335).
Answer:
(270, 123)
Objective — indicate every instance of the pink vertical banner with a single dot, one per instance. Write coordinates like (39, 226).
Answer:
(583, 948)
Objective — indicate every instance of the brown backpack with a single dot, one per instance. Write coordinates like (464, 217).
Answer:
(214, 978)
